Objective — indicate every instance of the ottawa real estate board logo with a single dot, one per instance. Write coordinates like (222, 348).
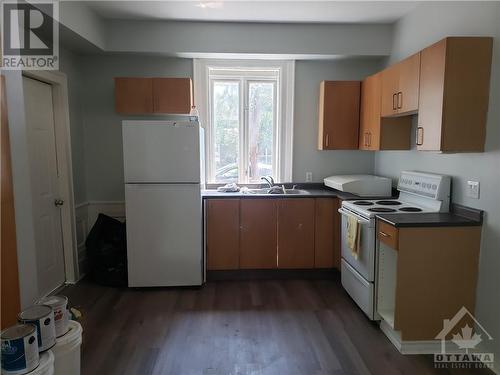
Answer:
(30, 35)
(460, 338)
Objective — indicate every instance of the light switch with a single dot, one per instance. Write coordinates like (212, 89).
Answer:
(473, 189)
(309, 176)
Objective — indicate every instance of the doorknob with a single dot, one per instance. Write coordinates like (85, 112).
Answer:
(58, 202)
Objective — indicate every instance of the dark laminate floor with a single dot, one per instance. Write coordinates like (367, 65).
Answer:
(234, 327)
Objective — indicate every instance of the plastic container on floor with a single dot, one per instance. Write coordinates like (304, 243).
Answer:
(46, 366)
(67, 351)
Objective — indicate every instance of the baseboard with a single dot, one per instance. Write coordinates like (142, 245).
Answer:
(274, 274)
(410, 347)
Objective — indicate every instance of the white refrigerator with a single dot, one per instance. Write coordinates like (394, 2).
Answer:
(163, 173)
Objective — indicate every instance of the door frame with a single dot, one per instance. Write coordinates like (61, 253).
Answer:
(59, 85)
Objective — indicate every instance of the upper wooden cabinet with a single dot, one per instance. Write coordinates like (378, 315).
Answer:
(134, 95)
(376, 132)
(454, 92)
(296, 233)
(400, 87)
(223, 234)
(172, 95)
(153, 95)
(339, 103)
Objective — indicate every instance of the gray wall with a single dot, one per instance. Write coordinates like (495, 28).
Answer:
(195, 39)
(102, 126)
(306, 156)
(427, 24)
(69, 64)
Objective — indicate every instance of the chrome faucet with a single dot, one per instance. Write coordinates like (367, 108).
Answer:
(269, 180)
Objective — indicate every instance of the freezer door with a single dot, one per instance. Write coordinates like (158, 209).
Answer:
(164, 234)
(161, 152)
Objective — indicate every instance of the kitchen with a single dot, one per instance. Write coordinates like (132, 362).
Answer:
(286, 253)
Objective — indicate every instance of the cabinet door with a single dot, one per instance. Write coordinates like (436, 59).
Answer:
(339, 103)
(258, 242)
(326, 233)
(133, 95)
(296, 233)
(390, 88)
(369, 130)
(409, 74)
(223, 234)
(430, 114)
(172, 95)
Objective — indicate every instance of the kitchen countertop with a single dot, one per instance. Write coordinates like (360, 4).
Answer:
(313, 190)
(458, 217)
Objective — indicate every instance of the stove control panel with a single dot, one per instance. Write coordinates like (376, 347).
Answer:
(425, 184)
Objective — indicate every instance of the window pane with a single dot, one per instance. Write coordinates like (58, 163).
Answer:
(260, 129)
(226, 120)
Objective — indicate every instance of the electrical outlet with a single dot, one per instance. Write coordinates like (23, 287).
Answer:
(309, 176)
(473, 189)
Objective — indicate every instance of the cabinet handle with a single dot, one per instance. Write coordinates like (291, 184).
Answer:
(369, 139)
(383, 234)
(394, 105)
(420, 136)
(366, 138)
(327, 140)
(400, 102)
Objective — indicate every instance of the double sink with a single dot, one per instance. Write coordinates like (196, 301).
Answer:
(280, 190)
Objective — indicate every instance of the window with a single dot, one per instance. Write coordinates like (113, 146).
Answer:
(243, 112)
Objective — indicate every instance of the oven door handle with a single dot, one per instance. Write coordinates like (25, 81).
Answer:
(361, 220)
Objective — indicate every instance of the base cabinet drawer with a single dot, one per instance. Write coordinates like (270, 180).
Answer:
(388, 234)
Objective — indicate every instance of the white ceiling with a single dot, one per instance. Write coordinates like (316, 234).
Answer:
(305, 11)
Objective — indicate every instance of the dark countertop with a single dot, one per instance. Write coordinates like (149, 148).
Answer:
(309, 193)
(460, 216)
(312, 190)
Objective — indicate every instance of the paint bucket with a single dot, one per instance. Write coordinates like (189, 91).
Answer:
(67, 351)
(46, 366)
(19, 349)
(59, 305)
(42, 317)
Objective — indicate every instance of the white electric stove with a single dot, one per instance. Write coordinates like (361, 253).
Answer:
(419, 193)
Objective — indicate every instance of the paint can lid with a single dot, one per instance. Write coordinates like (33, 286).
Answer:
(35, 312)
(18, 331)
(54, 301)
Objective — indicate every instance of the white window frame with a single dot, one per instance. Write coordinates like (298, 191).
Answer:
(208, 70)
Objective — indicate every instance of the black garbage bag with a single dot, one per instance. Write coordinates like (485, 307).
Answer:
(107, 252)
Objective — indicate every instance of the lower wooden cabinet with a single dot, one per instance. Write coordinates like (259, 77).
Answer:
(272, 233)
(425, 276)
(296, 233)
(223, 234)
(258, 238)
(326, 233)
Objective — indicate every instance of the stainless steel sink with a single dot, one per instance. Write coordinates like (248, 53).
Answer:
(268, 191)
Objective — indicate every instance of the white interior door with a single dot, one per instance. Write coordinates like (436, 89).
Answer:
(44, 184)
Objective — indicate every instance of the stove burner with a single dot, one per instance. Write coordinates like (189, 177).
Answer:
(389, 203)
(363, 203)
(410, 209)
(381, 209)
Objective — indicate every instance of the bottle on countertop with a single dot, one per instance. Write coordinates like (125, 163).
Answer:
(193, 114)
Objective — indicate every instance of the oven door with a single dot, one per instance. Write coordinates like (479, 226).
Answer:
(365, 264)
